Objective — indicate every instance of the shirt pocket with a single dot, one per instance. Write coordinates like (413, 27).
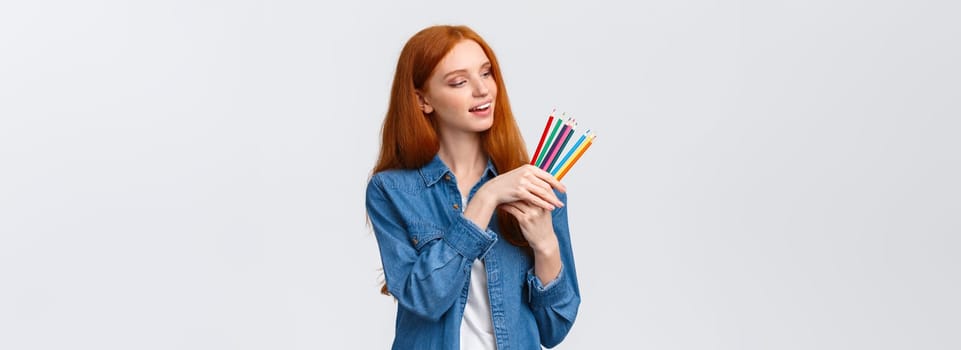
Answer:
(423, 233)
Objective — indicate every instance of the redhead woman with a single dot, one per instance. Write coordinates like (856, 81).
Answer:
(474, 242)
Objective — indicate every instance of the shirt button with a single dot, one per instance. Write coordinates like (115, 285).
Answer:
(414, 240)
(447, 177)
(456, 206)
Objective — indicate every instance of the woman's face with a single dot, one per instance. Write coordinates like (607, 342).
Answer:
(460, 92)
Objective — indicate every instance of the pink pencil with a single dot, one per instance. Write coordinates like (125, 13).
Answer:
(558, 142)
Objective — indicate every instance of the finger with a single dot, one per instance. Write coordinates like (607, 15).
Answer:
(516, 206)
(525, 206)
(517, 213)
(544, 184)
(537, 201)
(543, 175)
(529, 208)
(544, 191)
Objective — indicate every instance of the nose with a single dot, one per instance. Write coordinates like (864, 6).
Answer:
(481, 89)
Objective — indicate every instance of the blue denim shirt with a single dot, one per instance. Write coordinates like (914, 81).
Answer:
(427, 247)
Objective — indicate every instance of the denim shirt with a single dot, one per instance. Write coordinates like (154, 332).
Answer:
(427, 247)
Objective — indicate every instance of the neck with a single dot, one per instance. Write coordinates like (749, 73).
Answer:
(463, 154)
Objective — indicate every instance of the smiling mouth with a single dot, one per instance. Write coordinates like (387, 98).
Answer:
(481, 108)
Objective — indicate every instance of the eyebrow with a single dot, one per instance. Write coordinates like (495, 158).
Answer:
(462, 70)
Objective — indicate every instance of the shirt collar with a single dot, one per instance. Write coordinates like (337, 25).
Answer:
(435, 170)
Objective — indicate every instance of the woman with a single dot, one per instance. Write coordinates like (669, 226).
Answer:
(474, 242)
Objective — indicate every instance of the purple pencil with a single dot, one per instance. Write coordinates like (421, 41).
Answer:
(558, 142)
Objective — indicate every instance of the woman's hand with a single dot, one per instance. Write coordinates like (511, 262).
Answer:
(526, 183)
(536, 225)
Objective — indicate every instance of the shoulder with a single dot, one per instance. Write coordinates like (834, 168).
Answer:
(395, 180)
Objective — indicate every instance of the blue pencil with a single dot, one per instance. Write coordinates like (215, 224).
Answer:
(570, 152)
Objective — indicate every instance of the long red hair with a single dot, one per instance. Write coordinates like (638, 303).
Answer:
(409, 139)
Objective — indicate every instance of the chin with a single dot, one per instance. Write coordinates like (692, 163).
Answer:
(483, 125)
(483, 129)
(480, 124)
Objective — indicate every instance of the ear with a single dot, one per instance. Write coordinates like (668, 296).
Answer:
(424, 103)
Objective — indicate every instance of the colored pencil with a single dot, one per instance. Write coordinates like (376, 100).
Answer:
(568, 164)
(560, 150)
(570, 152)
(558, 145)
(577, 156)
(550, 140)
(537, 151)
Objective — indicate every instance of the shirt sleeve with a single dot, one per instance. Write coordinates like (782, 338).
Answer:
(555, 305)
(425, 266)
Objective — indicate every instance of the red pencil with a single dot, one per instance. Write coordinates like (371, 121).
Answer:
(537, 151)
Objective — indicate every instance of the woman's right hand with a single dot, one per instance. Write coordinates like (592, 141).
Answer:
(526, 183)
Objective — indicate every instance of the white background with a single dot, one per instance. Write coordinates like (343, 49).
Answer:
(767, 175)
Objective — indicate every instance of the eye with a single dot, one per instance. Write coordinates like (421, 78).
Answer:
(458, 83)
(487, 74)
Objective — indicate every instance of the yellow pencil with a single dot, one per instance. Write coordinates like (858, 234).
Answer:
(568, 163)
(577, 155)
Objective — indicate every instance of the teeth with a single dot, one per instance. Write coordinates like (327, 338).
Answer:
(481, 107)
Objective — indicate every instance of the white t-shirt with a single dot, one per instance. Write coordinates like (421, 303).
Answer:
(477, 329)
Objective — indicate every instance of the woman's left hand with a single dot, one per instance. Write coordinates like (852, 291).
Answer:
(536, 224)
